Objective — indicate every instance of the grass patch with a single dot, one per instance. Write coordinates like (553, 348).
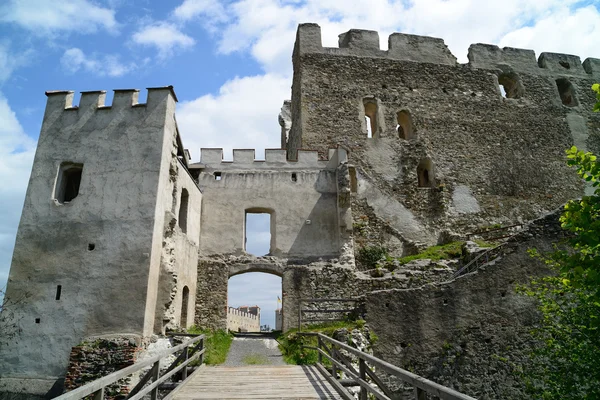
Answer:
(435, 253)
(448, 251)
(290, 343)
(217, 344)
(255, 359)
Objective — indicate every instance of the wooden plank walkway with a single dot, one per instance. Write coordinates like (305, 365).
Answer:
(257, 382)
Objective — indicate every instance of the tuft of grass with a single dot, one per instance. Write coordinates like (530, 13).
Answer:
(290, 343)
(217, 344)
(435, 253)
(255, 359)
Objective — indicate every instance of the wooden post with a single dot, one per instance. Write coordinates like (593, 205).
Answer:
(333, 366)
(201, 358)
(320, 346)
(420, 394)
(184, 371)
(362, 373)
(155, 375)
(99, 395)
(299, 315)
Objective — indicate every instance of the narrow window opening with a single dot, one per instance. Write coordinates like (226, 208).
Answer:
(91, 246)
(510, 86)
(353, 181)
(58, 291)
(369, 127)
(566, 92)
(405, 126)
(425, 173)
(184, 306)
(183, 211)
(258, 232)
(217, 176)
(37, 320)
(67, 183)
(294, 177)
(370, 105)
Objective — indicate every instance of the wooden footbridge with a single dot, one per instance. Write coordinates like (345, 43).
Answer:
(358, 369)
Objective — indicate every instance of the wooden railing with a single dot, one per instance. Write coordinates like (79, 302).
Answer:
(330, 349)
(187, 355)
(341, 313)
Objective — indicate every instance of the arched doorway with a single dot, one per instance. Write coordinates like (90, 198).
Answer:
(254, 301)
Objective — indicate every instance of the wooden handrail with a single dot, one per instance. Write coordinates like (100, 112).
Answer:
(421, 385)
(97, 387)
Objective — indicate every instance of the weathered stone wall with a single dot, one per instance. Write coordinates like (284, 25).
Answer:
(175, 305)
(467, 333)
(103, 248)
(96, 358)
(301, 197)
(240, 321)
(490, 159)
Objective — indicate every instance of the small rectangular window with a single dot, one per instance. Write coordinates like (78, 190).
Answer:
(218, 176)
(67, 182)
(58, 291)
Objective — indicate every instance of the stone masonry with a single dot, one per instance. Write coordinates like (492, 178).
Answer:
(122, 235)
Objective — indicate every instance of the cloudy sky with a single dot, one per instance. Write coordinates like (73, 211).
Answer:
(229, 61)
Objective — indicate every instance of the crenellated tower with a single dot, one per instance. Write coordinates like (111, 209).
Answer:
(90, 259)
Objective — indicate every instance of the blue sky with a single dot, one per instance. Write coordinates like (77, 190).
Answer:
(229, 61)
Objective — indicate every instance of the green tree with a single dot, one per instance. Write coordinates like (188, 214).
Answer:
(566, 365)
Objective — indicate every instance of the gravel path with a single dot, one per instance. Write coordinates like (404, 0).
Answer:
(254, 350)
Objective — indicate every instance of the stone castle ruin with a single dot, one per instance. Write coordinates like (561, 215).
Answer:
(123, 236)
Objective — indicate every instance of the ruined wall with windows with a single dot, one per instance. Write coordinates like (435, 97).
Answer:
(440, 148)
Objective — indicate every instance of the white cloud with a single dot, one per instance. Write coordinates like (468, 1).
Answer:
(191, 9)
(75, 59)
(16, 157)
(242, 115)
(266, 28)
(165, 36)
(566, 31)
(11, 59)
(44, 16)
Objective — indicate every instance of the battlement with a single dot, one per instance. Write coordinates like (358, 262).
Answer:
(95, 99)
(357, 42)
(212, 158)
(405, 47)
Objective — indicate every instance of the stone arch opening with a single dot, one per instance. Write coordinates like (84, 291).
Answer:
(371, 123)
(259, 231)
(566, 92)
(405, 126)
(183, 210)
(185, 299)
(255, 300)
(425, 173)
(510, 85)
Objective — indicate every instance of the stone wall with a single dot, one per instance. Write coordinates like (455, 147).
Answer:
(79, 260)
(240, 321)
(96, 358)
(469, 333)
(489, 159)
(301, 198)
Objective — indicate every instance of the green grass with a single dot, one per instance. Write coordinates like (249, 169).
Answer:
(217, 345)
(255, 359)
(448, 251)
(290, 343)
(436, 253)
